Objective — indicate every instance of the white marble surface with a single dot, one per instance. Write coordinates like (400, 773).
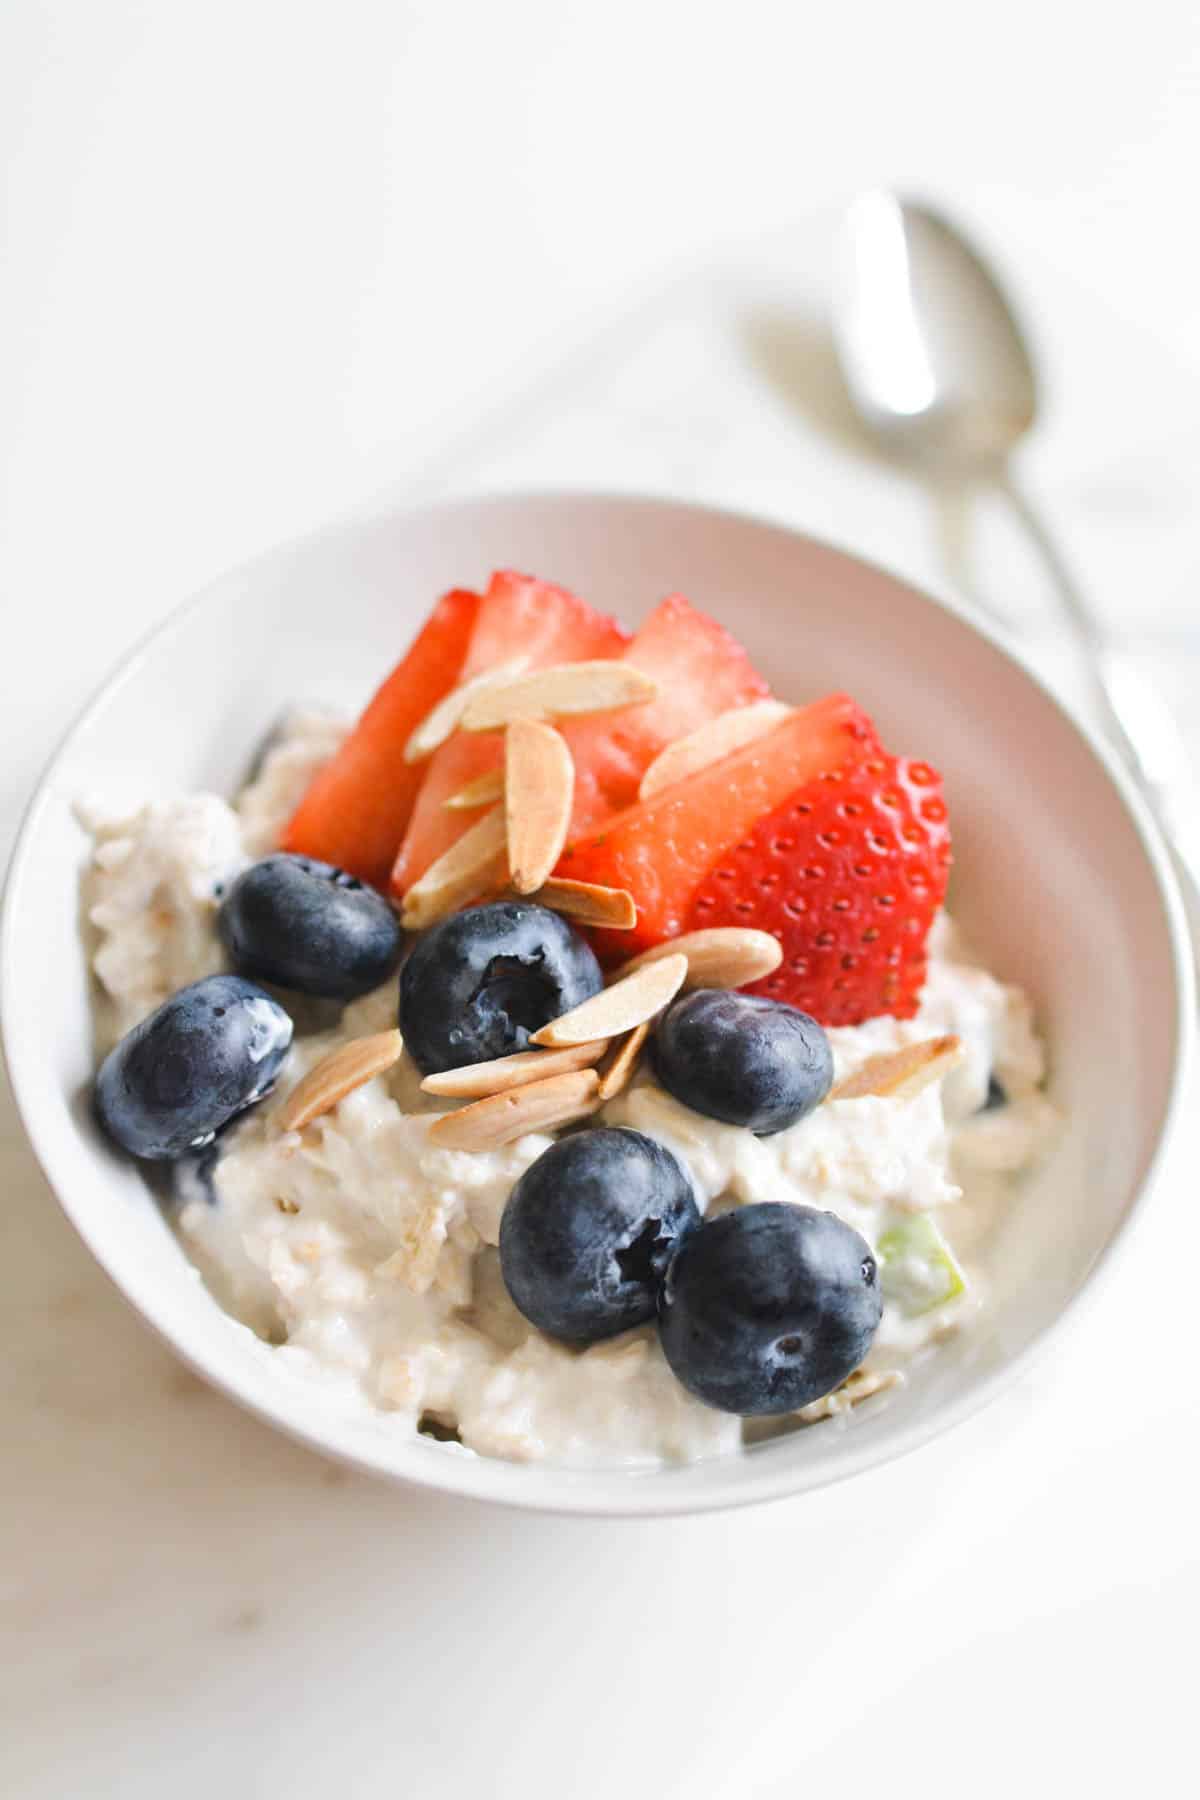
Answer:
(265, 260)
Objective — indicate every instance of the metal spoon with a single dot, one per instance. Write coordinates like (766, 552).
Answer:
(939, 371)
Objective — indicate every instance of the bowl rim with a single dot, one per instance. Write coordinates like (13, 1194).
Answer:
(554, 1489)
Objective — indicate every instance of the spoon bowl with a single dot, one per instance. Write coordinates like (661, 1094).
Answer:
(934, 358)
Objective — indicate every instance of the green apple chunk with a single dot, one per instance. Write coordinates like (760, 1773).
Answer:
(917, 1267)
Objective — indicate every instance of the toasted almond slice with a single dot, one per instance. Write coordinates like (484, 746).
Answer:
(723, 956)
(619, 1007)
(501, 1118)
(337, 1075)
(483, 791)
(467, 869)
(590, 904)
(444, 719)
(710, 742)
(582, 687)
(899, 1074)
(619, 1066)
(477, 1080)
(539, 788)
(857, 1387)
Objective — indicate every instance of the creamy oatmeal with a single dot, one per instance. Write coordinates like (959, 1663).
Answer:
(365, 1256)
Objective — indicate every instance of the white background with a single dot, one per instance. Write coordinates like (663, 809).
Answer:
(264, 261)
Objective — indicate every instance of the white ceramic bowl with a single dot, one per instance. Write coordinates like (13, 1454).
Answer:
(1057, 880)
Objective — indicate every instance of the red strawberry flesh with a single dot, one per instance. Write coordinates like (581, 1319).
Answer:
(701, 670)
(356, 808)
(848, 874)
(662, 849)
(518, 616)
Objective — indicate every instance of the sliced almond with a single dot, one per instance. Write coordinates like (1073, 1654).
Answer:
(477, 1080)
(485, 790)
(502, 1118)
(582, 687)
(856, 1388)
(337, 1075)
(589, 903)
(617, 1008)
(899, 1074)
(619, 1066)
(469, 868)
(715, 739)
(723, 956)
(445, 718)
(539, 789)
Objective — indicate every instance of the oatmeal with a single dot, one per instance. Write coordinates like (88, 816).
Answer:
(573, 1057)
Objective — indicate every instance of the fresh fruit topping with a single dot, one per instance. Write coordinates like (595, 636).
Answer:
(307, 925)
(539, 781)
(618, 1008)
(742, 1059)
(356, 808)
(996, 1096)
(769, 1307)
(589, 1230)
(578, 687)
(710, 743)
(545, 625)
(618, 1068)
(518, 614)
(917, 1266)
(473, 865)
(848, 874)
(611, 908)
(347, 1066)
(447, 715)
(901, 1074)
(478, 985)
(477, 1080)
(663, 849)
(727, 957)
(697, 667)
(206, 1054)
(502, 1118)
(700, 670)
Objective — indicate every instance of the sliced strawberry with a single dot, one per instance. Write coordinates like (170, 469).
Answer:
(848, 875)
(522, 616)
(661, 850)
(701, 671)
(518, 616)
(356, 808)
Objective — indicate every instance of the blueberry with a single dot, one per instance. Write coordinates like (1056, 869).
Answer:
(307, 925)
(479, 983)
(744, 1059)
(996, 1096)
(208, 1052)
(589, 1230)
(769, 1307)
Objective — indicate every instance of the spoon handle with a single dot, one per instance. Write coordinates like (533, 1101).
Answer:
(1131, 713)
